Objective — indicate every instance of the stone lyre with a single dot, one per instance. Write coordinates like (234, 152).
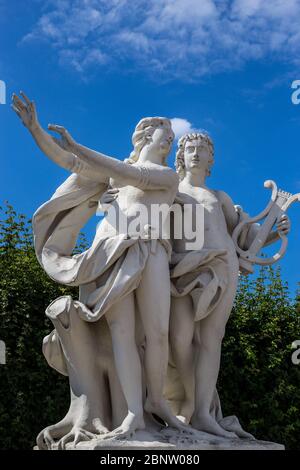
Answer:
(278, 205)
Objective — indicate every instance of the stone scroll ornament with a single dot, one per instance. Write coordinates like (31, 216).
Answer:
(278, 205)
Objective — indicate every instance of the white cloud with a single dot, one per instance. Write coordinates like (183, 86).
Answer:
(82, 58)
(182, 126)
(176, 38)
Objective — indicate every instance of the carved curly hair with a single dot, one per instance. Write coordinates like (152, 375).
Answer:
(143, 133)
(206, 141)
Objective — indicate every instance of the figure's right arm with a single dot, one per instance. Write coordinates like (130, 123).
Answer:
(67, 160)
(140, 176)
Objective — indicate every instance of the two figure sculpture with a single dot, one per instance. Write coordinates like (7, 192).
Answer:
(142, 343)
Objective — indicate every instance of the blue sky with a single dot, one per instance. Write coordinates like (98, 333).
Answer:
(97, 67)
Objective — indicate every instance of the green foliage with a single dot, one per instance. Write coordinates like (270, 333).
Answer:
(32, 394)
(258, 381)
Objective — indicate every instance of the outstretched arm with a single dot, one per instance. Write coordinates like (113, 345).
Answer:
(26, 111)
(124, 173)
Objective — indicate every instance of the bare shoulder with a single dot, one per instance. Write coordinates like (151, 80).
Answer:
(183, 197)
(168, 173)
(223, 197)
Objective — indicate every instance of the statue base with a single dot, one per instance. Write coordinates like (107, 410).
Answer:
(171, 439)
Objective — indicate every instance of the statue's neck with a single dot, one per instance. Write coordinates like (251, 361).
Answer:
(198, 180)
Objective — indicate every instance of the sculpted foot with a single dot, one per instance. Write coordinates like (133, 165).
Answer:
(162, 410)
(208, 424)
(98, 426)
(231, 423)
(186, 412)
(130, 425)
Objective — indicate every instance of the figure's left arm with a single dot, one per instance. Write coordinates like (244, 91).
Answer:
(232, 219)
(231, 215)
(283, 227)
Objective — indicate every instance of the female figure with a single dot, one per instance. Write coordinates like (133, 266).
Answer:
(118, 270)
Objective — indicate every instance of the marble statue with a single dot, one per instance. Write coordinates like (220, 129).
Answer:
(204, 285)
(141, 345)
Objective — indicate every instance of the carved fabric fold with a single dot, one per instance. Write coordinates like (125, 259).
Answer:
(106, 272)
(202, 274)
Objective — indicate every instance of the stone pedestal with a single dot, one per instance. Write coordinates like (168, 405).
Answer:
(175, 440)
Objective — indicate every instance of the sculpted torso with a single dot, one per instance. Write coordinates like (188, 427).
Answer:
(133, 202)
(216, 234)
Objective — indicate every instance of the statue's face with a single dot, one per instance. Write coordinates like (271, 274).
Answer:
(161, 140)
(196, 156)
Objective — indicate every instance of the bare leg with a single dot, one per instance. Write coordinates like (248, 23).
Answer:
(182, 328)
(121, 321)
(119, 411)
(153, 297)
(212, 330)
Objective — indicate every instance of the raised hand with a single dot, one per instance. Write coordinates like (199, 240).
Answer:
(65, 141)
(26, 111)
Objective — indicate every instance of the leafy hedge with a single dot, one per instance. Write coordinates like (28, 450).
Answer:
(258, 381)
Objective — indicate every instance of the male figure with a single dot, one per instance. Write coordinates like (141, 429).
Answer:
(204, 284)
